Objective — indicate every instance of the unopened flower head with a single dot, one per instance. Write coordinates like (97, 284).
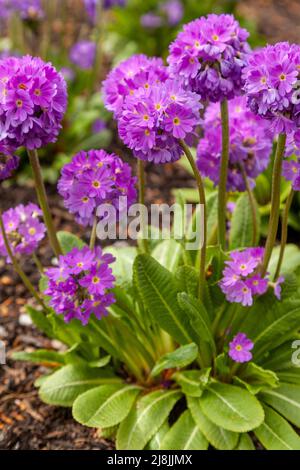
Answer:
(209, 55)
(83, 54)
(130, 75)
(78, 287)
(272, 85)
(33, 99)
(23, 229)
(93, 178)
(250, 145)
(153, 120)
(241, 281)
(240, 347)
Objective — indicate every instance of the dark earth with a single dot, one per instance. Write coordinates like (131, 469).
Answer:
(26, 422)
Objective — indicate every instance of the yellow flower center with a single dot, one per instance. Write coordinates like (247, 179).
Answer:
(215, 37)
(255, 283)
(146, 117)
(95, 280)
(96, 184)
(282, 77)
(85, 199)
(147, 132)
(37, 92)
(19, 103)
(176, 121)
(22, 86)
(242, 267)
(238, 347)
(32, 231)
(263, 80)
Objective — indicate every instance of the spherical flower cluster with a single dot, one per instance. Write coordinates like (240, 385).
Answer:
(78, 287)
(33, 100)
(153, 120)
(83, 54)
(93, 178)
(240, 347)
(27, 9)
(241, 281)
(8, 162)
(250, 145)
(91, 6)
(272, 85)
(169, 12)
(23, 229)
(209, 55)
(130, 75)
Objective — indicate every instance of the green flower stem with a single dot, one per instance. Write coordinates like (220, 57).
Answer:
(26, 281)
(275, 203)
(38, 263)
(202, 200)
(141, 181)
(284, 232)
(222, 196)
(42, 198)
(252, 203)
(93, 234)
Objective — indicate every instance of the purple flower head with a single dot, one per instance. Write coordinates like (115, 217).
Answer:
(8, 162)
(151, 20)
(23, 229)
(78, 286)
(93, 178)
(173, 9)
(250, 145)
(240, 280)
(33, 102)
(154, 119)
(130, 75)
(240, 347)
(27, 9)
(91, 6)
(291, 172)
(83, 54)
(209, 55)
(272, 85)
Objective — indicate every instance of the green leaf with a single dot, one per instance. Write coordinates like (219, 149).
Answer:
(65, 385)
(68, 241)
(245, 443)
(273, 333)
(193, 382)
(44, 356)
(279, 358)
(198, 316)
(286, 400)
(157, 288)
(241, 231)
(257, 378)
(218, 437)
(156, 440)
(291, 260)
(168, 254)
(179, 358)
(290, 376)
(275, 433)
(187, 279)
(184, 435)
(122, 267)
(102, 362)
(231, 407)
(40, 320)
(148, 415)
(105, 406)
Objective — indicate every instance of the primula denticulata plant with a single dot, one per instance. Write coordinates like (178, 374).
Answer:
(168, 348)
